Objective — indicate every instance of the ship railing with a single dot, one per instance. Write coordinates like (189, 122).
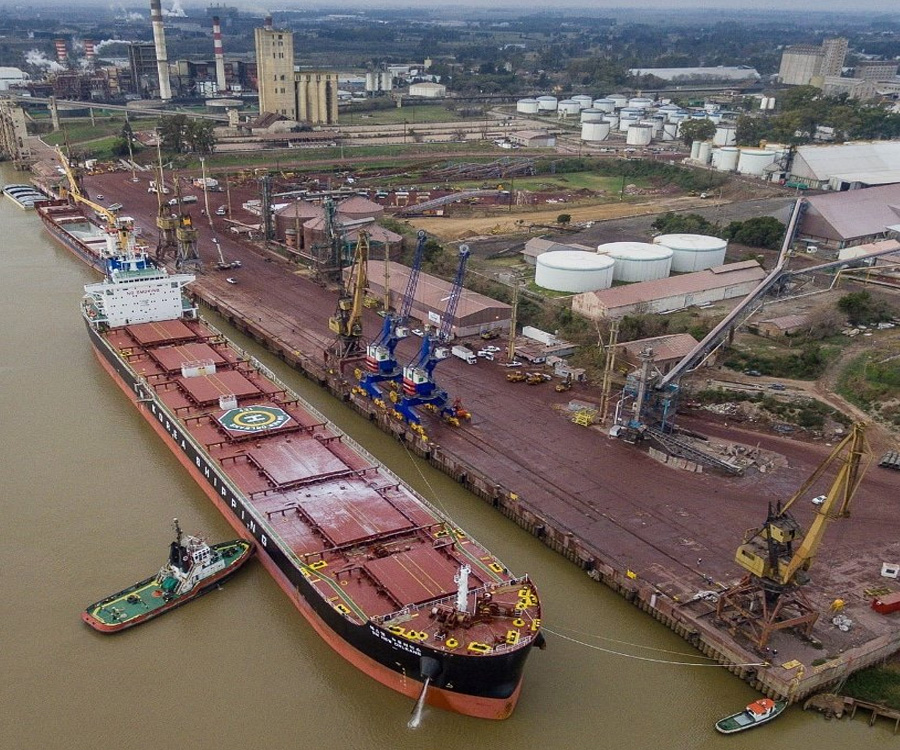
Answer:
(411, 609)
(347, 440)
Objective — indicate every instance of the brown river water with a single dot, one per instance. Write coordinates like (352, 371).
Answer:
(88, 494)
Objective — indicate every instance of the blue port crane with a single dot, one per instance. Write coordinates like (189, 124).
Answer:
(419, 386)
(381, 361)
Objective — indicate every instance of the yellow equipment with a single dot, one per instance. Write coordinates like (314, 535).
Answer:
(347, 320)
(778, 555)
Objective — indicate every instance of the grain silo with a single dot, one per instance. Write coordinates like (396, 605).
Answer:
(639, 134)
(754, 161)
(574, 271)
(693, 252)
(547, 103)
(725, 159)
(637, 261)
(527, 106)
(594, 131)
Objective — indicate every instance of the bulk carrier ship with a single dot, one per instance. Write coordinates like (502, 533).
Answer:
(386, 579)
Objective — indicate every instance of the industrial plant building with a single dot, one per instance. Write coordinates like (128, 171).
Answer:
(303, 96)
(474, 314)
(665, 295)
(846, 166)
(807, 64)
(837, 220)
(668, 351)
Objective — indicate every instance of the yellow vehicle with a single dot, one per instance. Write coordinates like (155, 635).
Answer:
(515, 377)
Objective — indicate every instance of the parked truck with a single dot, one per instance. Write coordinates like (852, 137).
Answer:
(466, 355)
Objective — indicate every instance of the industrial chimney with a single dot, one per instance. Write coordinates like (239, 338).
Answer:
(220, 55)
(61, 54)
(159, 39)
(90, 53)
(267, 25)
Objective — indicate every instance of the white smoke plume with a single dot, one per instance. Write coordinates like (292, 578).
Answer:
(126, 15)
(38, 59)
(106, 42)
(176, 12)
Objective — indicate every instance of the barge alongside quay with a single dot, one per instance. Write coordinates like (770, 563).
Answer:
(386, 579)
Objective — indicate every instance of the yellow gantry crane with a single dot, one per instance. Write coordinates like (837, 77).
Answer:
(778, 554)
(347, 320)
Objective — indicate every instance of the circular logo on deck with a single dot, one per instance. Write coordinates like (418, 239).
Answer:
(254, 418)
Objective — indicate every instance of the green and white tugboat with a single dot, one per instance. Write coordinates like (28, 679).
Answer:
(193, 568)
(758, 712)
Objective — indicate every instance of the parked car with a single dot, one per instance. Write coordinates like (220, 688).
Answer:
(221, 211)
(777, 386)
(819, 499)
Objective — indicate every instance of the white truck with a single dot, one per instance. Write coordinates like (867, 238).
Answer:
(466, 355)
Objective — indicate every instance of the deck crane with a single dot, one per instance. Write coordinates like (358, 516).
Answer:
(778, 555)
(419, 386)
(120, 235)
(347, 320)
(381, 360)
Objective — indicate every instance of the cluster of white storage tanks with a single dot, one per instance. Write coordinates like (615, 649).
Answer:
(748, 161)
(693, 252)
(573, 271)
(637, 261)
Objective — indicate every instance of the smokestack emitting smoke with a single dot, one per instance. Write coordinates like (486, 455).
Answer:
(90, 53)
(61, 54)
(220, 55)
(159, 39)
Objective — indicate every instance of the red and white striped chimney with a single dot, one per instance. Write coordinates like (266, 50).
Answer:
(62, 56)
(90, 53)
(220, 55)
(159, 40)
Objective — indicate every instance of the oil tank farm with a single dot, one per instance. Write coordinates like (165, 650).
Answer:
(594, 131)
(574, 271)
(754, 161)
(605, 105)
(640, 102)
(592, 115)
(693, 252)
(638, 261)
(568, 107)
(527, 106)
(584, 101)
(618, 100)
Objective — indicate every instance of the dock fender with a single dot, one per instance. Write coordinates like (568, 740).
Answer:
(429, 667)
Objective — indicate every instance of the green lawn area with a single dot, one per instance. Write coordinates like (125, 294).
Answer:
(560, 182)
(81, 131)
(412, 114)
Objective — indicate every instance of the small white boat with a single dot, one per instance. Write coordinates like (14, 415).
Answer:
(758, 712)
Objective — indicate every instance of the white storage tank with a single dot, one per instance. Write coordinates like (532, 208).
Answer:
(626, 119)
(607, 105)
(613, 121)
(637, 261)
(753, 161)
(656, 126)
(715, 117)
(639, 134)
(547, 103)
(695, 150)
(592, 115)
(726, 159)
(640, 102)
(584, 101)
(568, 107)
(725, 135)
(618, 100)
(594, 131)
(693, 252)
(705, 152)
(527, 106)
(669, 131)
(677, 117)
(574, 271)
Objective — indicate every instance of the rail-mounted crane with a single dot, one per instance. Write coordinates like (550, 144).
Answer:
(778, 554)
(419, 386)
(381, 360)
(119, 229)
(346, 322)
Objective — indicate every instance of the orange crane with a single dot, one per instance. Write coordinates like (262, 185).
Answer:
(778, 554)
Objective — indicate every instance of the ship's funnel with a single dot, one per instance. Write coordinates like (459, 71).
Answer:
(220, 55)
(159, 40)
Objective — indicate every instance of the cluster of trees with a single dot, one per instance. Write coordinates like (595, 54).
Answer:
(761, 231)
(861, 308)
(804, 108)
(182, 135)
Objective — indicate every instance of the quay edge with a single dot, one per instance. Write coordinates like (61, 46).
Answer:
(692, 622)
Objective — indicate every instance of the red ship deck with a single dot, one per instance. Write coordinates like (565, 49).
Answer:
(366, 543)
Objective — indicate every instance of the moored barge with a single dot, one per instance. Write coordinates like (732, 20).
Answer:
(386, 579)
